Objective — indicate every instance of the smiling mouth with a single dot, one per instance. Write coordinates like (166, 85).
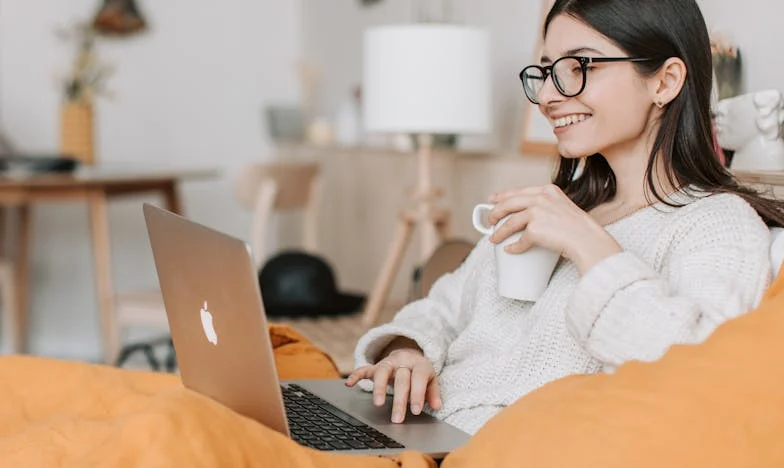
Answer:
(568, 120)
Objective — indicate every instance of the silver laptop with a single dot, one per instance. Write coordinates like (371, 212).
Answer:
(217, 321)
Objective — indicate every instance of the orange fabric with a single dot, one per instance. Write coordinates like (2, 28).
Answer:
(719, 404)
(59, 413)
(297, 358)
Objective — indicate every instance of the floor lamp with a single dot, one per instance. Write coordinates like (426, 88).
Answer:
(422, 79)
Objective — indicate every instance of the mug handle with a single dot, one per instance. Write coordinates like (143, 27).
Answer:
(476, 217)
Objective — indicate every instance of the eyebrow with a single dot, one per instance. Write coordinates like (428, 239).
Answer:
(579, 50)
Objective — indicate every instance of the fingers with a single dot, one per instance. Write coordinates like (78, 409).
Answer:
(402, 389)
(383, 371)
(514, 224)
(512, 205)
(504, 194)
(364, 372)
(412, 386)
(420, 377)
(521, 245)
(433, 394)
(518, 199)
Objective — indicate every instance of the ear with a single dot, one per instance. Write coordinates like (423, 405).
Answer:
(667, 83)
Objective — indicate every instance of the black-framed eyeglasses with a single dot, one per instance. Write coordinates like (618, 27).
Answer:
(569, 74)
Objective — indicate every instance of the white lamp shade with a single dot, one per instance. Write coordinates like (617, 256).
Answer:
(426, 79)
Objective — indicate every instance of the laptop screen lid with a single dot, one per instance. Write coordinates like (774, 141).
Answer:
(216, 316)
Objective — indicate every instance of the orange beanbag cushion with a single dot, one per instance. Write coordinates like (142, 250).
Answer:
(60, 413)
(298, 358)
(718, 404)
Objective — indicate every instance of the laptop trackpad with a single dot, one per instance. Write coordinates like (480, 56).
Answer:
(423, 432)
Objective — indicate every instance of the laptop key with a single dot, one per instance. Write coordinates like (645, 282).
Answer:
(355, 444)
(340, 445)
(345, 417)
(322, 446)
(329, 428)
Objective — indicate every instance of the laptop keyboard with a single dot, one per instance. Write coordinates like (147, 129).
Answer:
(317, 424)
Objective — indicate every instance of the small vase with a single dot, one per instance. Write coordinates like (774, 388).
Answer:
(77, 132)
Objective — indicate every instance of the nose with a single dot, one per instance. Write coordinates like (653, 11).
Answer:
(549, 94)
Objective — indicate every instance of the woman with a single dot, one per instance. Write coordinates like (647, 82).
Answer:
(660, 244)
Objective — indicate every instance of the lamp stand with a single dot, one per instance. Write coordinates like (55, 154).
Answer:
(433, 225)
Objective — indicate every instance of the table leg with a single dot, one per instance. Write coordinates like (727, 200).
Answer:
(99, 223)
(22, 299)
(172, 198)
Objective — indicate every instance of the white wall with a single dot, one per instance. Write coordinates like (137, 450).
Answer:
(188, 92)
(333, 38)
(756, 27)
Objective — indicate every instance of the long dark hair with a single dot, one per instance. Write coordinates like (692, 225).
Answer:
(660, 29)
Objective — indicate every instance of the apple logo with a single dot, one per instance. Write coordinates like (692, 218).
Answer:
(206, 323)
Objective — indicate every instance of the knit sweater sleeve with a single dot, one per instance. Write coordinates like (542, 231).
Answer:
(432, 322)
(715, 267)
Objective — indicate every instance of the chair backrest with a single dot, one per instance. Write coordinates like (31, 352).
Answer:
(265, 188)
(445, 259)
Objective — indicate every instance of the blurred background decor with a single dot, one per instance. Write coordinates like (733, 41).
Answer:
(423, 79)
(119, 18)
(750, 125)
(726, 65)
(85, 80)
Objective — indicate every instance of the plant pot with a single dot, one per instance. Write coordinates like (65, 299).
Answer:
(77, 132)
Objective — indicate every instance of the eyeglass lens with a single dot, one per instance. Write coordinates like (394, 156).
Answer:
(568, 77)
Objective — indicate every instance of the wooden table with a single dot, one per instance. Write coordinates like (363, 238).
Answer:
(95, 186)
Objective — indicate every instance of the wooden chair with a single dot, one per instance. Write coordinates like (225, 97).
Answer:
(266, 188)
(269, 188)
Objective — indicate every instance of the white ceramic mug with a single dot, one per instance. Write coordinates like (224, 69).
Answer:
(522, 276)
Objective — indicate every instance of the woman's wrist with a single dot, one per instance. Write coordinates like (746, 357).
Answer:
(400, 342)
(592, 251)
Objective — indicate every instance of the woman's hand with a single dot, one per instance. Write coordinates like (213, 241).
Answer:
(413, 377)
(548, 218)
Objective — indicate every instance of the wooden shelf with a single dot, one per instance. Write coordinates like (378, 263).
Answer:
(774, 178)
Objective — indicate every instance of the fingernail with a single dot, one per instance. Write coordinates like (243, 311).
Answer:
(397, 418)
(415, 409)
(378, 400)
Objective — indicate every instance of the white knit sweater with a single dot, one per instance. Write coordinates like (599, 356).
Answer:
(682, 272)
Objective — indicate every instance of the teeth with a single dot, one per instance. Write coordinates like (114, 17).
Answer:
(569, 120)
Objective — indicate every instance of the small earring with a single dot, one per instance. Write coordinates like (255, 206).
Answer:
(660, 104)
